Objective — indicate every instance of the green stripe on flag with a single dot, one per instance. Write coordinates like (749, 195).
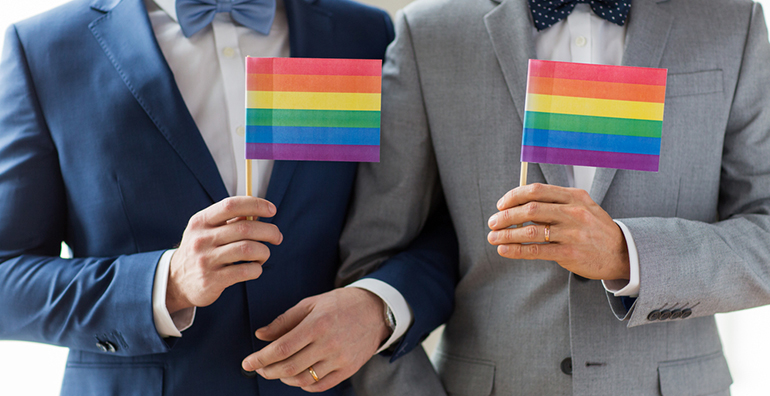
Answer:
(313, 118)
(590, 124)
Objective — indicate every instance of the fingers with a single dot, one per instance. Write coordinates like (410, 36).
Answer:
(535, 251)
(536, 212)
(294, 370)
(537, 192)
(328, 381)
(528, 234)
(285, 322)
(279, 350)
(229, 208)
(241, 272)
(247, 230)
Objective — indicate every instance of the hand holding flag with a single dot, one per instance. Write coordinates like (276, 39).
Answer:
(589, 115)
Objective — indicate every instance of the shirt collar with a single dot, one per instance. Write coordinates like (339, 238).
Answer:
(169, 6)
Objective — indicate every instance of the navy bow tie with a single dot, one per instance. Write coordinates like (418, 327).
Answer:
(547, 12)
(194, 15)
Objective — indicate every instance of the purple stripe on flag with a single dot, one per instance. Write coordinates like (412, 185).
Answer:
(313, 152)
(602, 159)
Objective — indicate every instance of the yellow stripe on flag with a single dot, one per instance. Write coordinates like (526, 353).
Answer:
(595, 107)
(312, 100)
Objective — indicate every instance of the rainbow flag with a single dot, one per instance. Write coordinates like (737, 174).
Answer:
(313, 109)
(593, 115)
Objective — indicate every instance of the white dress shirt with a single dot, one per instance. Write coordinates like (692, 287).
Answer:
(585, 38)
(209, 69)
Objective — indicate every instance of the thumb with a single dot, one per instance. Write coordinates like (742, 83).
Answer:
(285, 322)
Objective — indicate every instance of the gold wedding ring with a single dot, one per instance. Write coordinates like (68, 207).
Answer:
(312, 372)
(547, 232)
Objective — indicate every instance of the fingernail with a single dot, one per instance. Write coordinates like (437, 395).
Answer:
(493, 221)
(247, 366)
(500, 203)
(502, 249)
(492, 236)
(272, 208)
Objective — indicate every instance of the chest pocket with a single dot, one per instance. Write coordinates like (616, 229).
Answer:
(695, 83)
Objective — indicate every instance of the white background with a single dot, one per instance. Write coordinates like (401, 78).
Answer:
(32, 369)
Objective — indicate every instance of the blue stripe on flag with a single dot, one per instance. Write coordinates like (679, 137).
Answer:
(591, 141)
(312, 135)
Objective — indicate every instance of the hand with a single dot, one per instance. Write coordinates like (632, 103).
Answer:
(583, 237)
(335, 333)
(220, 248)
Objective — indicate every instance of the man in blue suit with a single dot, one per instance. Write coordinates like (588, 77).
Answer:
(119, 132)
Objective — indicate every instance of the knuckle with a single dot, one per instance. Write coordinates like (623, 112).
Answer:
(198, 220)
(533, 249)
(514, 250)
(228, 204)
(283, 350)
(246, 249)
(536, 188)
(243, 227)
(531, 232)
(582, 195)
(506, 216)
(532, 208)
(288, 369)
(199, 243)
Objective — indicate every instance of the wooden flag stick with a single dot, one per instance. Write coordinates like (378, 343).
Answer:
(523, 180)
(248, 183)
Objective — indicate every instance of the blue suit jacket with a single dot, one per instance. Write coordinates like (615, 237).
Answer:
(98, 149)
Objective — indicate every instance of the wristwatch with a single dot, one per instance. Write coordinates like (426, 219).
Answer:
(390, 318)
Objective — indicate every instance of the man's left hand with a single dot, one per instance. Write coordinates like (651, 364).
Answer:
(335, 333)
(583, 237)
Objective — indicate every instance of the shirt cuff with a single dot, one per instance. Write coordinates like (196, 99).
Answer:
(630, 287)
(166, 324)
(397, 305)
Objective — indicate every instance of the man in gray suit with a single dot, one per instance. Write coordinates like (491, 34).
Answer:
(672, 248)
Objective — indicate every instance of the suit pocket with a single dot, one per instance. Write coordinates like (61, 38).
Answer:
(699, 376)
(114, 380)
(696, 83)
(464, 376)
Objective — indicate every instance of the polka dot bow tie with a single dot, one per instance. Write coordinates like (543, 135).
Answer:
(547, 12)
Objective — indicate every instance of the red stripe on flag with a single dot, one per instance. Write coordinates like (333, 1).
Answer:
(310, 66)
(605, 73)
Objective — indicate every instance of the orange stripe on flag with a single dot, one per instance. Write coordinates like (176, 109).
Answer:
(596, 89)
(311, 83)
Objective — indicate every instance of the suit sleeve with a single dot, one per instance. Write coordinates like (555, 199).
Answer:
(399, 230)
(76, 303)
(724, 266)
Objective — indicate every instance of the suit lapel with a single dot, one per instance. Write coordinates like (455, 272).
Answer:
(126, 36)
(510, 29)
(646, 37)
(309, 27)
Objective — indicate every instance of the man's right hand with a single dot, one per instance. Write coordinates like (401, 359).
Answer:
(215, 239)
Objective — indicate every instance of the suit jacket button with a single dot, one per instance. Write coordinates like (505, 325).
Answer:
(654, 315)
(566, 366)
(106, 346)
(248, 374)
(676, 314)
(665, 314)
(686, 313)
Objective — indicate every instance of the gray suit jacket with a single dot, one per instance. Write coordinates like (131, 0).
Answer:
(453, 102)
